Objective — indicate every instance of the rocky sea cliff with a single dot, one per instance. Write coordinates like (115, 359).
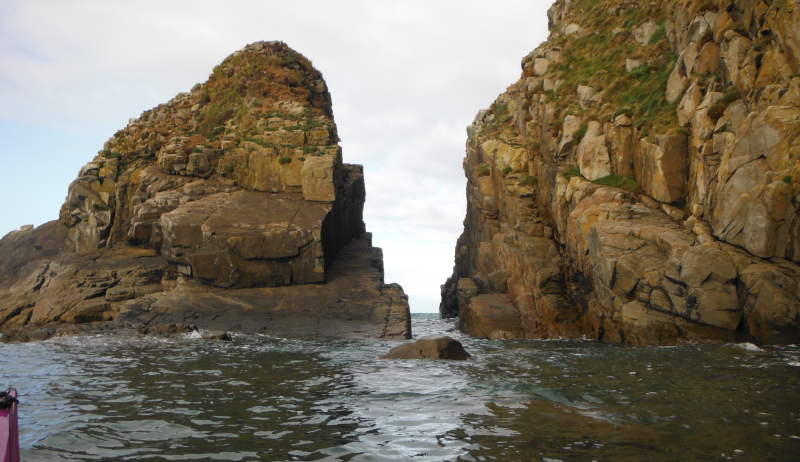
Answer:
(640, 182)
(227, 208)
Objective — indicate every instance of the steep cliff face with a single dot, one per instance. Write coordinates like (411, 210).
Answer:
(238, 184)
(640, 183)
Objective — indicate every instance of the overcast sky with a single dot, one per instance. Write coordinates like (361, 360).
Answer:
(406, 78)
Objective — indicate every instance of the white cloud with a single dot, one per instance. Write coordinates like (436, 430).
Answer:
(406, 79)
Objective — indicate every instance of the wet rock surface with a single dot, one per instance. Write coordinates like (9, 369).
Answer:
(432, 347)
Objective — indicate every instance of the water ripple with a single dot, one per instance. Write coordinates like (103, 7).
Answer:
(267, 398)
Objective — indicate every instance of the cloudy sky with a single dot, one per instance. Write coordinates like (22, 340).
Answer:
(406, 78)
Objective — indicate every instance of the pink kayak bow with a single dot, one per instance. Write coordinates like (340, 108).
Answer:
(9, 434)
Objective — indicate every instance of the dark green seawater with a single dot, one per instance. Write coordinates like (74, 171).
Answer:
(266, 398)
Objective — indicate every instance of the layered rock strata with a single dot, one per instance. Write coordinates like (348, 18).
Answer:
(230, 207)
(640, 183)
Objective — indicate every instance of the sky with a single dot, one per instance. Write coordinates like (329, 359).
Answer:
(406, 78)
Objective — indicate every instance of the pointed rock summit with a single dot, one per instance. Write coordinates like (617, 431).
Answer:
(229, 208)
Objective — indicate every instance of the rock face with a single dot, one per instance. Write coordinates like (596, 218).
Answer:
(434, 347)
(640, 183)
(228, 208)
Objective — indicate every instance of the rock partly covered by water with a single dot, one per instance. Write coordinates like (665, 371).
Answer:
(228, 208)
(640, 183)
(432, 347)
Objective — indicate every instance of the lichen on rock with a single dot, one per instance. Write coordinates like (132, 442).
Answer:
(238, 184)
(663, 140)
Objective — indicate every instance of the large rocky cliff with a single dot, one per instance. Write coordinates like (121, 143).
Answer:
(640, 183)
(229, 207)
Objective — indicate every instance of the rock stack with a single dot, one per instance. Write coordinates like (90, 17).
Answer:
(640, 183)
(228, 207)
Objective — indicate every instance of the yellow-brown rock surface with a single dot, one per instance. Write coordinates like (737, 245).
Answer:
(640, 183)
(230, 202)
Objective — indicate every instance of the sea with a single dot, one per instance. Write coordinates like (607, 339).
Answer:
(116, 397)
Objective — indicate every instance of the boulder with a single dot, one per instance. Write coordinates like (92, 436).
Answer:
(540, 66)
(171, 329)
(644, 32)
(217, 335)
(588, 96)
(631, 64)
(571, 29)
(593, 157)
(432, 347)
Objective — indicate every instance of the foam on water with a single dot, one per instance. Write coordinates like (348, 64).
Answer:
(749, 347)
(267, 398)
(195, 334)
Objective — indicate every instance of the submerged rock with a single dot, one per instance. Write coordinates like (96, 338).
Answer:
(432, 347)
(217, 335)
(167, 329)
(228, 208)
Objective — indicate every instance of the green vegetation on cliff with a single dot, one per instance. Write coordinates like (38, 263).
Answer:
(266, 87)
(665, 142)
(600, 57)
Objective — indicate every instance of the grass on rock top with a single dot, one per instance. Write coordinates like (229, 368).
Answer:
(598, 57)
(274, 74)
(262, 81)
(625, 182)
